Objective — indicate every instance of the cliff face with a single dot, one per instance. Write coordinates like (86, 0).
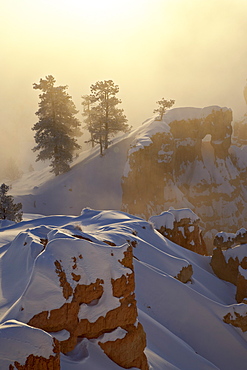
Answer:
(86, 290)
(170, 164)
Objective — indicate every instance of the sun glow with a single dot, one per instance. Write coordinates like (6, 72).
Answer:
(111, 8)
(105, 13)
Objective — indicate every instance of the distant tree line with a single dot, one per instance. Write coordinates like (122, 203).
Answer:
(57, 129)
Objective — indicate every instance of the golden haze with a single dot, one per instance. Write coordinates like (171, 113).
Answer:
(188, 50)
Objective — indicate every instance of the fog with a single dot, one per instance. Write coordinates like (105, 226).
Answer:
(191, 51)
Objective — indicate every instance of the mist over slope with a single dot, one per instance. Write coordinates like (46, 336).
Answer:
(160, 164)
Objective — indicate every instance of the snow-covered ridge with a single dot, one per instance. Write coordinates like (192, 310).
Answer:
(167, 218)
(174, 167)
(153, 126)
(170, 311)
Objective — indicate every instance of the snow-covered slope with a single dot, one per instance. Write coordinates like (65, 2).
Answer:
(183, 322)
(160, 164)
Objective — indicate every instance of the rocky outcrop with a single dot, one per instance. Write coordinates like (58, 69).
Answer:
(225, 240)
(231, 265)
(88, 292)
(236, 319)
(185, 274)
(25, 348)
(151, 165)
(169, 163)
(241, 292)
(128, 351)
(225, 270)
(182, 227)
(240, 132)
(37, 362)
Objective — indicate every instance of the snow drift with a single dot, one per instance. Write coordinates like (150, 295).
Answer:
(185, 324)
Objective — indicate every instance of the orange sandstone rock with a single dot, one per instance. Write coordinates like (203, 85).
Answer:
(224, 270)
(185, 274)
(128, 351)
(40, 363)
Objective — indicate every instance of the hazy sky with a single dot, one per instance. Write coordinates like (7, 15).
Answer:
(193, 51)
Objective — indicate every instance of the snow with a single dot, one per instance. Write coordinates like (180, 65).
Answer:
(186, 113)
(146, 131)
(178, 318)
(225, 236)
(97, 261)
(239, 252)
(241, 232)
(118, 333)
(151, 127)
(167, 218)
(183, 322)
(18, 341)
(88, 182)
(60, 335)
(242, 272)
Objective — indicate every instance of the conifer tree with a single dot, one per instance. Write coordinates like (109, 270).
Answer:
(88, 103)
(163, 105)
(57, 126)
(103, 118)
(8, 209)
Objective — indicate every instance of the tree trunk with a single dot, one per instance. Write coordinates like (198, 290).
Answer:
(106, 120)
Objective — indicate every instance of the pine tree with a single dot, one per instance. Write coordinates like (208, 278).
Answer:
(57, 126)
(163, 105)
(103, 118)
(88, 102)
(8, 209)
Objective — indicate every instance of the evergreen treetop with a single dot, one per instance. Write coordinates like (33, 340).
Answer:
(163, 105)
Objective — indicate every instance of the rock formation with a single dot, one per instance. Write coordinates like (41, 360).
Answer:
(231, 265)
(236, 319)
(227, 240)
(87, 290)
(25, 348)
(169, 163)
(239, 132)
(182, 227)
(241, 293)
(185, 274)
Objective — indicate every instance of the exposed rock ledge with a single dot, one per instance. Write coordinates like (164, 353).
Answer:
(181, 226)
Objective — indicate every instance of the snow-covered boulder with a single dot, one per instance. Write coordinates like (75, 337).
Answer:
(231, 265)
(87, 290)
(182, 227)
(171, 312)
(25, 347)
(227, 240)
